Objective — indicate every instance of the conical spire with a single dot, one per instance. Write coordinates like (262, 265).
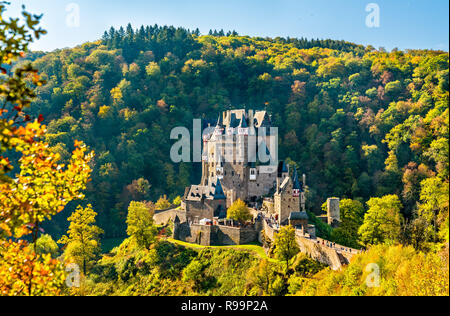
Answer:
(218, 193)
(220, 121)
(243, 123)
(295, 182)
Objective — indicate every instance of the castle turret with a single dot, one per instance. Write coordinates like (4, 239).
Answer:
(176, 227)
(296, 186)
(243, 127)
(333, 212)
(303, 195)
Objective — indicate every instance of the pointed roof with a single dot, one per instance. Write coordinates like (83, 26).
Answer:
(298, 216)
(220, 122)
(234, 122)
(218, 192)
(295, 182)
(282, 168)
(243, 123)
(177, 219)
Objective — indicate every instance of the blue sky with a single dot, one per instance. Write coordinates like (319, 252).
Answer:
(403, 23)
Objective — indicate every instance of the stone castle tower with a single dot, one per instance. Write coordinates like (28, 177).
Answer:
(232, 154)
(289, 197)
(240, 161)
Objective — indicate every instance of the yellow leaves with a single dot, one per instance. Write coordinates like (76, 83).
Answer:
(116, 94)
(43, 187)
(402, 271)
(23, 273)
(104, 111)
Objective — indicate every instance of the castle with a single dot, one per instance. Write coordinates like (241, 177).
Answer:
(232, 169)
(238, 164)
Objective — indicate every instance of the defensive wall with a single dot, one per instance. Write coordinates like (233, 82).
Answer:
(335, 256)
(216, 235)
(162, 217)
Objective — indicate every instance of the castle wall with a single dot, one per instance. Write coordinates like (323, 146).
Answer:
(194, 234)
(215, 235)
(269, 205)
(316, 250)
(263, 184)
(163, 217)
(200, 210)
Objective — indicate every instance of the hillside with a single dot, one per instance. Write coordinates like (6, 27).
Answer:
(359, 122)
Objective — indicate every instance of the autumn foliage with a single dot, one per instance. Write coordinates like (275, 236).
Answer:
(41, 187)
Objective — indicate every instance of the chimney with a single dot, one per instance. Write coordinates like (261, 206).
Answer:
(304, 180)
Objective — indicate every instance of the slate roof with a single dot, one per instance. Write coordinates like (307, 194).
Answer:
(207, 192)
(295, 182)
(298, 216)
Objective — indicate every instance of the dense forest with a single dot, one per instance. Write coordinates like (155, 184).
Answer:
(359, 122)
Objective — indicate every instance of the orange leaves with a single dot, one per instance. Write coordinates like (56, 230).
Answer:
(43, 187)
(24, 273)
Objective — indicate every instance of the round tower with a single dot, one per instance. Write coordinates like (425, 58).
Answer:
(333, 212)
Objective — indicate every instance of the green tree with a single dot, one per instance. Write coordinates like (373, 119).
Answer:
(46, 245)
(177, 201)
(239, 211)
(352, 217)
(82, 238)
(285, 245)
(261, 278)
(163, 203)
(193, 273)
(434, 205)
(382, 222)
(140, 223)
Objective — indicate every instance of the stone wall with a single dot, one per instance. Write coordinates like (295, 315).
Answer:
(263, 184)
(163, 217)
(194, 234)
(200, 210)
(269, 205)
(316, 250)
(215, 235)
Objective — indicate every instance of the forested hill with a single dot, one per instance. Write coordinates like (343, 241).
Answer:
(359, 122)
